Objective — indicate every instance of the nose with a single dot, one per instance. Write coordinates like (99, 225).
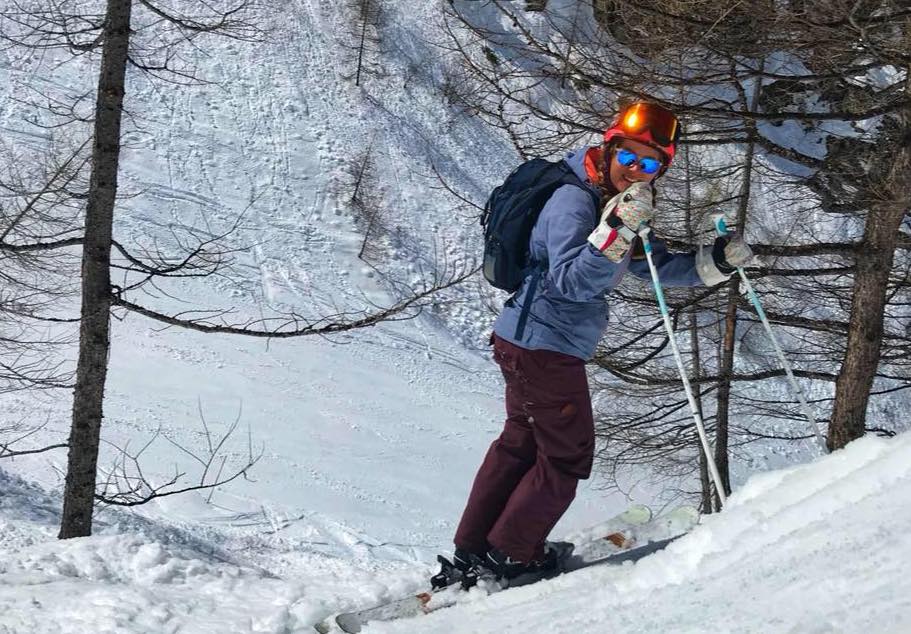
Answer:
(635, 170)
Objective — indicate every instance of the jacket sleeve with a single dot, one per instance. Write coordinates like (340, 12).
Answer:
(674, 269)
(575, 268)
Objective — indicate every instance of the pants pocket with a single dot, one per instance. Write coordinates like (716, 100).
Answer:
(564, 432)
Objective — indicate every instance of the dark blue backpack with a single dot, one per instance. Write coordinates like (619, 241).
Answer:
(509, 216)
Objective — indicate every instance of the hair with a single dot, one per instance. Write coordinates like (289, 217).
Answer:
(607, 153)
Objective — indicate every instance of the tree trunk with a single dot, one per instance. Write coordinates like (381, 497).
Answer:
(865, 332)
(94, 342)
(874, 263)
(365, 11)
(704, 479)
(726, 370)
(705, 500)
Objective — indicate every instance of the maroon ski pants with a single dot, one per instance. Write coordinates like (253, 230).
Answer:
(528, 478)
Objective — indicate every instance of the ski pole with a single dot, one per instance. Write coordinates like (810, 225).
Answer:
(722, 230)
(665, 315)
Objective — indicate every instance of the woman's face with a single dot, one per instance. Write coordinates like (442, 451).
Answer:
(622, 177)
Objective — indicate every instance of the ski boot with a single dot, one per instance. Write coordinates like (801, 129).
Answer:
(464, 569)
(511, 572)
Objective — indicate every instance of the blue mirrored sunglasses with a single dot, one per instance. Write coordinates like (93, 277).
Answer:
(647, 164)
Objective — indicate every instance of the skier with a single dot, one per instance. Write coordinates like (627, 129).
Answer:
(528, 478)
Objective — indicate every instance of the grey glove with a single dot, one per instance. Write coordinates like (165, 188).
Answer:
(728, 252)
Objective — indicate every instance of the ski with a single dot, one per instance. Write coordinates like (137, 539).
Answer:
(426, 602)
(620, 547)
(597, 544)
(676, 522)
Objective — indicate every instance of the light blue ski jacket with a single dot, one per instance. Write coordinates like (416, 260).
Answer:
(569, 309)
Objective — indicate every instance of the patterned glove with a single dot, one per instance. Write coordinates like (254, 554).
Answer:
(621, 219)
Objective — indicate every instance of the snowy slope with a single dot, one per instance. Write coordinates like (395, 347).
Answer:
(819, 548)
(369, 439)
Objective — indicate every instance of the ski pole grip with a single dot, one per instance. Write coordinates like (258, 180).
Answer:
(720, 226)
(644, 230)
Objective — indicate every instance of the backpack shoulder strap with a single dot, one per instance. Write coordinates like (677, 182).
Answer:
(569, 178)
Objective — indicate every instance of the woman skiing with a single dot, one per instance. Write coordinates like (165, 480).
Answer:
(528, 478)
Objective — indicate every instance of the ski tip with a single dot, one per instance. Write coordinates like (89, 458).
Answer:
(323, 627)
(685, 513)
(350, 623)
(640, 510)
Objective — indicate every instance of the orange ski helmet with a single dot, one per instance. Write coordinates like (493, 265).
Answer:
(649, 123)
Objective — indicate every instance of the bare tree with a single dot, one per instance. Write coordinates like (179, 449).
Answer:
(890, 205)
(766, 81)
(125, 483)
(147, 36)
(366, 201)
(368, 20)
(94, 342)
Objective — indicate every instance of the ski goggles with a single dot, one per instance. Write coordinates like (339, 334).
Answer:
(658, 121)
(646, 164)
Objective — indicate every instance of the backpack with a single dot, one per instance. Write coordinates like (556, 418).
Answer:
(509, 216)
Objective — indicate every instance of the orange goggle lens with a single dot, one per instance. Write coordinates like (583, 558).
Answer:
(659, 122)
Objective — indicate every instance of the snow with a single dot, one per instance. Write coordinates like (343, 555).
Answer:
(369, 439)
(822, 547)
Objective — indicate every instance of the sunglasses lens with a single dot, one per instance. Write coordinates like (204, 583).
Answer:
(649, 165)
(626, 158)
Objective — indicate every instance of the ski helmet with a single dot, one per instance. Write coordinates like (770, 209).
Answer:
(649, 123)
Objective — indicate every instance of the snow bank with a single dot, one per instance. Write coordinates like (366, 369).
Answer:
(823, 547)
(818, 548)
